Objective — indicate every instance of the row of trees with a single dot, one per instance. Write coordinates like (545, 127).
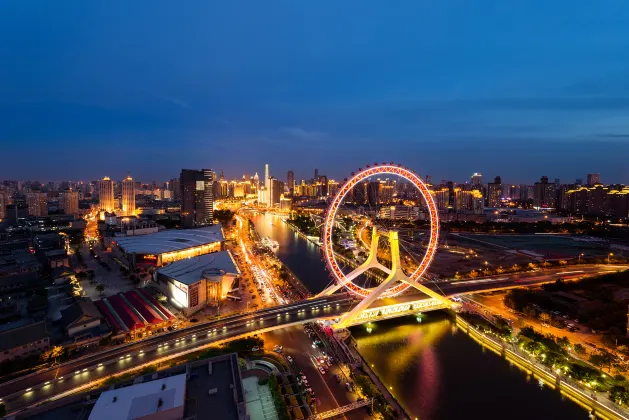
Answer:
(278, 399)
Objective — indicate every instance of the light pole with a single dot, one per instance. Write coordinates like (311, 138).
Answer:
(580, 255)
(611, 254)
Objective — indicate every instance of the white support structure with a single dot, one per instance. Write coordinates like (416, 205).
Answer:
(370, 262)
(340, 410)
(395, 275)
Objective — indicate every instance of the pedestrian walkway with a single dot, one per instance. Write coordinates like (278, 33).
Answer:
(259, 401)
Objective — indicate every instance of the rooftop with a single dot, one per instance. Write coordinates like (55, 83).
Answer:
(16, 337)
(140, 400)
(171, 240)
(190, 270)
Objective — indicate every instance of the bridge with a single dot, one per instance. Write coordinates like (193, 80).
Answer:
(90, 370)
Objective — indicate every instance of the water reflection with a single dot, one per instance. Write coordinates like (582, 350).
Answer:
(438, 373)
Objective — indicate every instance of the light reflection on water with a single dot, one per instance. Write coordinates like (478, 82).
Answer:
(437, 372)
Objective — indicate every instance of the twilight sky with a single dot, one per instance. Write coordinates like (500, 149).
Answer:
(447, 87)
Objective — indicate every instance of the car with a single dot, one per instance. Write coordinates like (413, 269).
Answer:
(337, 377)
(290, 359)
(321, 370)
(256, 348)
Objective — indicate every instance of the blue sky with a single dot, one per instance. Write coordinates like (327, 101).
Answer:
(512, 88)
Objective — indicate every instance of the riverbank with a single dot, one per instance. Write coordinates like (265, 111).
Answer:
(597, 404)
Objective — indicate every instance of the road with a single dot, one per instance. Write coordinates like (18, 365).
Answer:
(329, 393)
(40, 386)
(31, 389)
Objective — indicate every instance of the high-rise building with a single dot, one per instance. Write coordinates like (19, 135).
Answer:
(4, 202)
(593, 179)
(37, 202)
(128, 196)
(290, 181)
(106, 195)
(373, 193)
(197, 202)
(476, 179)
(69, 201)
(316, 174)
(494, 192)
(545, 195)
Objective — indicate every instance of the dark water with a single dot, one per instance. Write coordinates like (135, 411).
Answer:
(438, 373)
(301, 256)
(434, 372)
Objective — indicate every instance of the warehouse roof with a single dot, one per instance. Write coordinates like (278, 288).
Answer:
(171, 240)
(190, 270)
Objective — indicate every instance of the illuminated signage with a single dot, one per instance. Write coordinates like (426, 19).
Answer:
(150, 257)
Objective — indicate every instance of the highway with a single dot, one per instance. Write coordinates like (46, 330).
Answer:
(40, 386)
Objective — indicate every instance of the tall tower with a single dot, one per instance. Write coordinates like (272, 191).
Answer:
(197, 197)
(128, 196)
(290, 180)
(106, 195)
(266, 176)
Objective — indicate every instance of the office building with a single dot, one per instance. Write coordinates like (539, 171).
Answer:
(69, 202)
(197, 192)
(290, 181)
(545, 194)
(593, 179)
(106, 195)
(494, 193)
(37, 203)
(128, 196)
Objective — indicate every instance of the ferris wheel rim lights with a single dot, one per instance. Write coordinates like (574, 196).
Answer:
(330, 216)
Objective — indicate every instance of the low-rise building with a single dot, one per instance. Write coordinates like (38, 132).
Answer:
(81, 320)
(24, 340)
(194, 282)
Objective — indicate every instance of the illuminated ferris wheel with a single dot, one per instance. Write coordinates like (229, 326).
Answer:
(396, 278)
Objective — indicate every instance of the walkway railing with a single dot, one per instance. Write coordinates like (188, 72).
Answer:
(597, 401)
(340, 410)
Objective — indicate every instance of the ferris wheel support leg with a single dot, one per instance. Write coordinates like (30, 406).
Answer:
(347, 319)
(370, 262)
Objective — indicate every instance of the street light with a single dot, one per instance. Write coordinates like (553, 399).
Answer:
(580, 255)
(611, 254)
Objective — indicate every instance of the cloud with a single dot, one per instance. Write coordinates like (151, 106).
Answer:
(174, 101)
(300, 133)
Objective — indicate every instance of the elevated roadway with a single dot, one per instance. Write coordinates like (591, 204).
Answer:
(75, 375)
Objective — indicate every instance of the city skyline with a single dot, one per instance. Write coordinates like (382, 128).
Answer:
(429, 85)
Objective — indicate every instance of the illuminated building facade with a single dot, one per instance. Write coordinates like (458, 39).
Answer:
(128, 196)
(168, 246)
(193, 283)
(69, 202)
(197, 192)
(106, 195)
(545, 195)
(494, 193)
(37, 203)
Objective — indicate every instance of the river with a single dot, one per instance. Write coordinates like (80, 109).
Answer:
(434, 372)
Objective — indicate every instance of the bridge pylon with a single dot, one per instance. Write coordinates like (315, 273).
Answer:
(395, 274)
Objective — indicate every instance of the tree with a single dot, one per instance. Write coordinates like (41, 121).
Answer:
(3, 410)
(500, 270)
(563, 341)
(579, 349)
(100, 289)
(53, 353)
(545, 317)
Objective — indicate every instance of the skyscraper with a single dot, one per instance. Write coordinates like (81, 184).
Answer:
(593, 179)
(494, 192)
(4, 202)
(197, 202)
(37, 203)
(290, 180)
(128, 196)
(316, 174)
(69, 201)
(106, 195)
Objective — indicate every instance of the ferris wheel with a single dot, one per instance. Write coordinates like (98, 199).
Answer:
(398, 276)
